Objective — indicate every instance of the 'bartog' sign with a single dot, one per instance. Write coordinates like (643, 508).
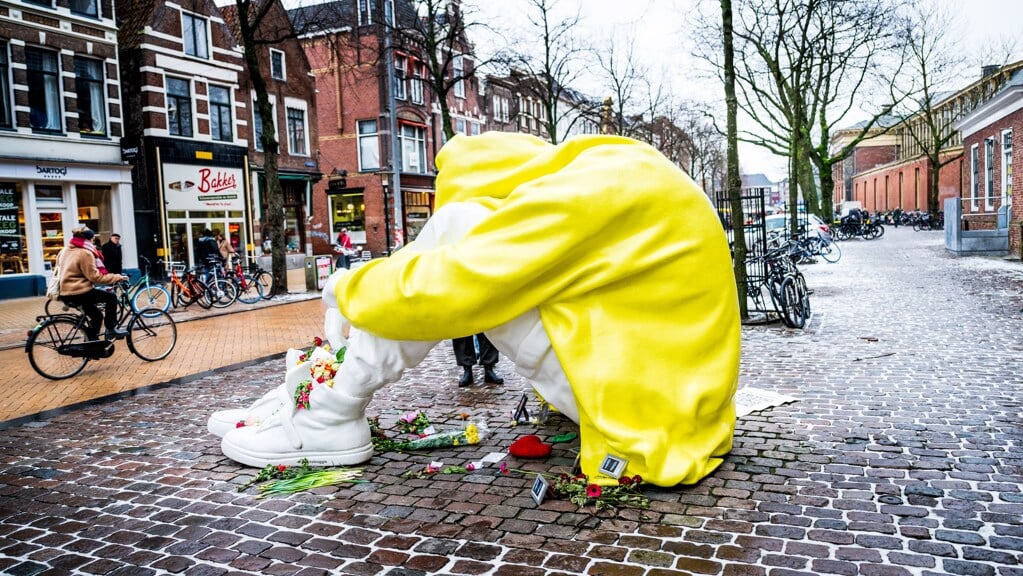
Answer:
(188, 187)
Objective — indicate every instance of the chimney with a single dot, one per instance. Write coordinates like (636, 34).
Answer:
(989, 69)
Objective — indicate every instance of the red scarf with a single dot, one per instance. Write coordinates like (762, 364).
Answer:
(88, 245)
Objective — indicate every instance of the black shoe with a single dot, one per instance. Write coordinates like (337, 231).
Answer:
(116, 334)
(490, 376)
(466, 378)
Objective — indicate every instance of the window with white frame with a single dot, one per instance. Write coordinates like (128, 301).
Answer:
(989, 173)
(474, 128)
(399, 77)
(92, 116)
(6, 99)
(221, 124)
(1007, 168)
(365, 12)
(43, 89)
(298, 137)
(974, 176)
(416, 83)
(257, 122)
(85, 7)
(179, 107)
(277, 71)
(195, 33)
(460, 125)
(369, 145)
(413, 149)
(457, 70)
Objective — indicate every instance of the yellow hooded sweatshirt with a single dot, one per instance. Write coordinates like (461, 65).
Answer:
(628, 265)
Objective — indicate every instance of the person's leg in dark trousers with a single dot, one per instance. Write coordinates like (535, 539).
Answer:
(88, 303)
(488, 358)
(465, 356)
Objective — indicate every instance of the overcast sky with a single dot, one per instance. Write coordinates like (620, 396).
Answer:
(663, 40)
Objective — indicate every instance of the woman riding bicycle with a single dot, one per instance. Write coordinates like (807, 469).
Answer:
(78, 274)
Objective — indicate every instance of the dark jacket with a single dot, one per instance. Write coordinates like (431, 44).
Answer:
(207, 250)
(112, 258)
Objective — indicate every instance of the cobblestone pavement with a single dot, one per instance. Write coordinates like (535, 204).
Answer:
(902, 456)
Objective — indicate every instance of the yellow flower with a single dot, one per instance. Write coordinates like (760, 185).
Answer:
(472, 434)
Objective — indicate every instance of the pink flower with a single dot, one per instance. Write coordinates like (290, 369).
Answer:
(504, 467)
(430, 470)
(470, 467)
(593, 491)
(409, 417)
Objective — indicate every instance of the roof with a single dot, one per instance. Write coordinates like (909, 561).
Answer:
(1007, 100)
(756, 181)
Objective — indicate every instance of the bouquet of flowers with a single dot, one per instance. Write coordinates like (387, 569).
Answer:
(413, 423)
(471, 434)
(281, 479)
(579, 490)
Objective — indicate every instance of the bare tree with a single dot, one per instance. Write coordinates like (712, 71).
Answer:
(622, 74)
(552, 67)
(733, 181)
(934, 59)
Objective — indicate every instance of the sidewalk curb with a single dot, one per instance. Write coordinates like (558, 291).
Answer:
(48, 414)
(300, 297)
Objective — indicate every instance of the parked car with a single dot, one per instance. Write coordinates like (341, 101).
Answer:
(779, 224)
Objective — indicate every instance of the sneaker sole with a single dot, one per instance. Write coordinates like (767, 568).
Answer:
(322, 458)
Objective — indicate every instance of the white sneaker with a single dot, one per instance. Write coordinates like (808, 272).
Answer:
(221, 421)
(332, 431)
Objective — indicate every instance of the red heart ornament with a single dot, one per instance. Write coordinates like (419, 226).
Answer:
(529, 447)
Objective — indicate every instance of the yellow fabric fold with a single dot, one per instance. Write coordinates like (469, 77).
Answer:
(626, 262)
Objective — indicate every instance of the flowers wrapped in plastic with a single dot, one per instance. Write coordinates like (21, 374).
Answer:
(471, 434)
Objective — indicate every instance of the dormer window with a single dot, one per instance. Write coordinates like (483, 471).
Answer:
(195, 34)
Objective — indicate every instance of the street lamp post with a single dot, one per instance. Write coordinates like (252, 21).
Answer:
(399, 228)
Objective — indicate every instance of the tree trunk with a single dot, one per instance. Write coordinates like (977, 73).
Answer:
(933, 178)
(734, 183)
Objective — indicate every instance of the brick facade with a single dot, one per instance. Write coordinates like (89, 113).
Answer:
(980, 212)
(904, 185)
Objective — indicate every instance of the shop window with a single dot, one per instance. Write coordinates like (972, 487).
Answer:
(413, 149)
(92, 117)
(221, 126)
(369, 146)
(195, 35)
(6, 107)
(49, 194)
(85, 7)
(43, 89)
(277, 71)
(13, 254)
(94, 209)
(297, 132)
(349, 212)
(179, 107)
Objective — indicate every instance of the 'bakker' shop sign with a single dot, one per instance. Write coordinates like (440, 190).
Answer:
(188, 187)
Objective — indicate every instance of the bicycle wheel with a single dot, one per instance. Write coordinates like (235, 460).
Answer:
(792, 310)
(876, 231)
(830, 250)
(152, 297)
(55, 306)
(44, 348)
(249, 291)
(266, 281)
(200, 294)
(804, 296)
(221, 293)
(152, 336)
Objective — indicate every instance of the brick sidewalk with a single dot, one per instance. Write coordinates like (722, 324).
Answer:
(903, 456)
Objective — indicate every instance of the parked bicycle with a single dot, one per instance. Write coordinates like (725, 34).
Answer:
(805, 248)
(249, 290)
(185, 286)
(264, 278)
(785, 284)
(142, 294)
(220, 291)
(59, 347)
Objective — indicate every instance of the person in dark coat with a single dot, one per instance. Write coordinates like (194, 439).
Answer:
(112, 254)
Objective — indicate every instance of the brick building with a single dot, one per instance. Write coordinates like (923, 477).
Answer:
(291, 89)
(346, 44)
(890, 171)
(60, 136)
(186, 129)
(989, 182)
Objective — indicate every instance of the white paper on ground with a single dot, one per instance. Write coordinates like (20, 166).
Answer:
(748, 400)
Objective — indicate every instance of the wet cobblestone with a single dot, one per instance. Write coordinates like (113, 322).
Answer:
(902, 456)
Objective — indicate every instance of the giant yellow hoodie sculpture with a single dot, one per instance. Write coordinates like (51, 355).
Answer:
(629, 268)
